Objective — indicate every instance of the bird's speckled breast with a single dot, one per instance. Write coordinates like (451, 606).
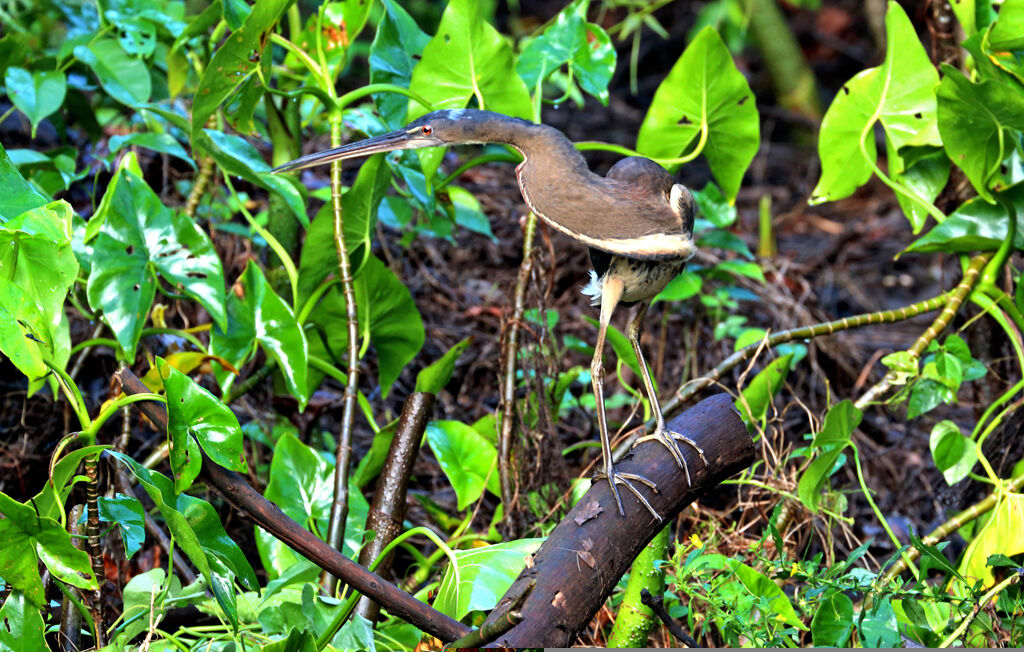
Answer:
(643, 279)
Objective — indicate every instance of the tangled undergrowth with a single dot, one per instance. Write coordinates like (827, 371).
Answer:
(859, 302)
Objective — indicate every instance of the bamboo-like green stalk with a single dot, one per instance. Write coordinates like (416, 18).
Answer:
(972, 513)
(951, 306)
(635, 620)
(982, 601)
(688, 390)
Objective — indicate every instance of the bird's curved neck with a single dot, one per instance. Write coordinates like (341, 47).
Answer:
(536, 142)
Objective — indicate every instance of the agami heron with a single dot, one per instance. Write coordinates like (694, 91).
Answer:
(637, 221)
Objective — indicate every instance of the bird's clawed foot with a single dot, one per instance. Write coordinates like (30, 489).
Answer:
(626, 480)
(668, 439)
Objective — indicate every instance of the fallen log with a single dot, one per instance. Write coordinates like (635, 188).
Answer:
(575, 570)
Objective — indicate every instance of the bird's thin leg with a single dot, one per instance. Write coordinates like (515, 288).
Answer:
(611, 291)
(661, 433)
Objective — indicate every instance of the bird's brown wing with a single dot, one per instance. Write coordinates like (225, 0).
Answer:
(629, 216)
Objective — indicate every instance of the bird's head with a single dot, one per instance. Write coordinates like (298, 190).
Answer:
(437, 128)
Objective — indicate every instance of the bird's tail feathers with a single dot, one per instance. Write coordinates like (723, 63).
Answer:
(593, 289)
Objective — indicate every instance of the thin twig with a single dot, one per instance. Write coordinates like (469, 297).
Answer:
(509, 352)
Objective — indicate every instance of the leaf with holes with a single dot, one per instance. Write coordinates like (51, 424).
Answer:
(234, 62)
(704, 93)
(140, 237)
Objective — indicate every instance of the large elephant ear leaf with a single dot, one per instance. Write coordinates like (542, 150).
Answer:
(139, 237)
(704, 106)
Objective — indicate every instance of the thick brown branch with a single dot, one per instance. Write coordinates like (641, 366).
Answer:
(388, 508)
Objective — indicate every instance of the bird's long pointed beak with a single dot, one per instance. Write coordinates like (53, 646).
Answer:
(389, 142)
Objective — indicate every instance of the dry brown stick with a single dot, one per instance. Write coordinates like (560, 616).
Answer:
(656, 603)
(581, 561)
(269, 516)
(509, 354)
(387, 511)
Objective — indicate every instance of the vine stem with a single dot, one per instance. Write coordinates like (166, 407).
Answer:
(92, 530)
(909, 563)
(343, 455)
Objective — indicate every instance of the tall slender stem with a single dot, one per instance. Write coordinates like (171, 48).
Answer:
(508, 388)
(343, 455)
(92, 529)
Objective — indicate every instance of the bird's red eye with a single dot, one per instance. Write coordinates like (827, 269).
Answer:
(426, 130)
